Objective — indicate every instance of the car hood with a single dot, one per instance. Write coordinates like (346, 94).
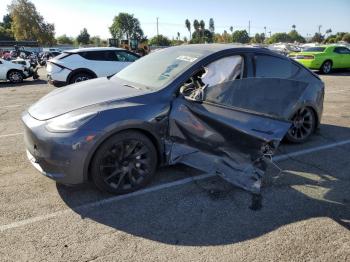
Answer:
(76, 96)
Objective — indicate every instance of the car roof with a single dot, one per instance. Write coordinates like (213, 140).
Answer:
(209, 49)
(89, 49)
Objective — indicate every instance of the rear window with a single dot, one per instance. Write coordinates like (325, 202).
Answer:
(314, 49)
(274, 67)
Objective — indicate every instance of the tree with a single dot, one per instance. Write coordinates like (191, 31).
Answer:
(6, 34)
(196, 25)
(96, 41)
(211, 25)
(83, 37)
(240, 36)
(188, 26)
(28, 24)
(293, 27)
(126, 25)
(318, 38)
(258, 38)
(6, 21)
(280, 37)
(64, 40)
(346, 37)
(178, 35)
(231, 29)
(160, 40)
(296, 37)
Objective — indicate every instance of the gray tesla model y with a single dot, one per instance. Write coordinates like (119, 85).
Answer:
(218, 108)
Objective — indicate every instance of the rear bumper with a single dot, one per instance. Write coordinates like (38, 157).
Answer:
(310, 63)
(55, 83)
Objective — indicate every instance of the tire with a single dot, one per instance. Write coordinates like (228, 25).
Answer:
(80, 77)
(326, 67)
(15, 76)
(124, 163)
(304, 124)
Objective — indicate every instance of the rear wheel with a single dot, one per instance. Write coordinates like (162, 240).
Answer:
(124, 163)
(15, 76)
(326, 67)
(80, 77)
(303, 125)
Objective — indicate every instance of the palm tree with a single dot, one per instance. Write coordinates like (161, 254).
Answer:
(202, 27)
(231, 29)
(211, 25)
(196, 25)
(178, 35)
(188, 26)
(293, 26)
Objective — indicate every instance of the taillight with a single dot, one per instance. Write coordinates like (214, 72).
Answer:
(305, 57)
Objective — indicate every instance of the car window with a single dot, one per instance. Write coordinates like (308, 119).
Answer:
(223, 70)
(314, 49)
(125, 56)
(99, 55)
(274, 67)
(341, 50)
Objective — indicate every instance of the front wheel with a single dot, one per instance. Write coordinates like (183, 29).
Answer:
(124, 163)
(303, 125)
(15, 76)
(326, 67)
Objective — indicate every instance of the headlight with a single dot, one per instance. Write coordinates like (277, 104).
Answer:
(68, 122)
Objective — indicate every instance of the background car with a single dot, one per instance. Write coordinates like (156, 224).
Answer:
(324, 58)
(82, 64)
(13, 72)
(218, 108)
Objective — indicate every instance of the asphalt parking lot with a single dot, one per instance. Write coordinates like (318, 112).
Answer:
(184, 215)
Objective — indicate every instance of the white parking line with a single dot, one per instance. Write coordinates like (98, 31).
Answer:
(11, 106)
(154, 189)
(9, 135)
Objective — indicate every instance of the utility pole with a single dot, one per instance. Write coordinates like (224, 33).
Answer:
(269, 33)
(249, 28)
(157, 31)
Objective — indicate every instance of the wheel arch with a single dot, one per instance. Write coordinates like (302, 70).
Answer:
(138, 128)
(80, 70)
(14, 69)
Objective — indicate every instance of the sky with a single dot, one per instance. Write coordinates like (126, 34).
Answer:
(70, 16)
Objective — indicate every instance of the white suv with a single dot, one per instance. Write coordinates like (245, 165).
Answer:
(86, 63)
(15, 73)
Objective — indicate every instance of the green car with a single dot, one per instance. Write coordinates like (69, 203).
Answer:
(324, 58)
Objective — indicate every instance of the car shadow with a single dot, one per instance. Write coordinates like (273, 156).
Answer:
(26, 82)
(213, 212)
(336, 72)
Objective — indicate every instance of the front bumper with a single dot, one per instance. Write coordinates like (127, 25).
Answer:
(59, 156)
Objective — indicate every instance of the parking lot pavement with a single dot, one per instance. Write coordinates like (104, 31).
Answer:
(183, 214)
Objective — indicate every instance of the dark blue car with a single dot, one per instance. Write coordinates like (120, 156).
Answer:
(218, 108)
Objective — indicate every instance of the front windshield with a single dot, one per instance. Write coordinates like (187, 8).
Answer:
(314, 49)
(158, 69)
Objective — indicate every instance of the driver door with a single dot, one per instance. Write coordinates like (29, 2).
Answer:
(230, 130)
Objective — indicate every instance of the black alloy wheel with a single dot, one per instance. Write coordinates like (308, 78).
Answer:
(124, 163)
(303, 125)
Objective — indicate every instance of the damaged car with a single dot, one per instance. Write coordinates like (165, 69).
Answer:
(222, 109)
